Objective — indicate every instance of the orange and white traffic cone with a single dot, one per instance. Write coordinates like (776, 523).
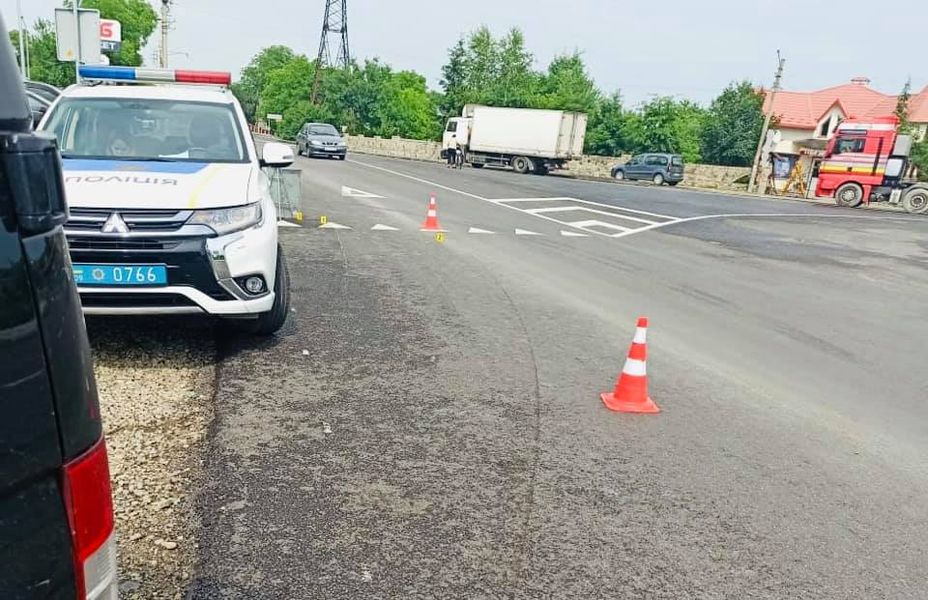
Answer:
(631, 388)
(431, 217)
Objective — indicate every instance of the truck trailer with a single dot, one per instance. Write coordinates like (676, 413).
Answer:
(526, 139)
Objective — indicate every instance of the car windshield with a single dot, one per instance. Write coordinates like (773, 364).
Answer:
(322, 130)
(147, 129)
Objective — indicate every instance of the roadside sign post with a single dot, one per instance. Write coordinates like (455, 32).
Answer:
(274, 117)
(78, 36)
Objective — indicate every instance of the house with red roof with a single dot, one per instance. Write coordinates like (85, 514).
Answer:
(803, 121)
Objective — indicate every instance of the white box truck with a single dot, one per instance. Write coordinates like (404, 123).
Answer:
(526, 139)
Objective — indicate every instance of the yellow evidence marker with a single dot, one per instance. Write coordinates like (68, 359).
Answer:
(323, 220)
(298, 216)
(440, 237)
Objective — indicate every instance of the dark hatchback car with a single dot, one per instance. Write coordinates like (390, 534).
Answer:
(320, 139)
(658, 168)
(56, 511)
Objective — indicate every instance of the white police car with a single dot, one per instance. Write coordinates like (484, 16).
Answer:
(170, 211)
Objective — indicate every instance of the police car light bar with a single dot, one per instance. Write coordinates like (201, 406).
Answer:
(140, 74)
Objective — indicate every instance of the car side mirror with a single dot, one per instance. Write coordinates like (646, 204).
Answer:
(33, 168)
(277, 155)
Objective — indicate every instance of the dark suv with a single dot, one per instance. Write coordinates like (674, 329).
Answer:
(56, 511)
(659, 168)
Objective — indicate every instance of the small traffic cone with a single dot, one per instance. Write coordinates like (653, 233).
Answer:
(631, 388)
(431, 217)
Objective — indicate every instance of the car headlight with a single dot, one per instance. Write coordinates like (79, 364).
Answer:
(315, 142)
(228, 220)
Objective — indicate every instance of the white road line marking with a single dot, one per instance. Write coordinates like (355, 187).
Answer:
(332, 225)
(478, 230)
(461, 192)
(425, 181)
(673, 221)
(552, 209)
(573, 234)
(356, 193)
(527, 199)
(382, 227)
(585, 224)
(283, 223)
(750, 215)
(623, 208)
(527, 232)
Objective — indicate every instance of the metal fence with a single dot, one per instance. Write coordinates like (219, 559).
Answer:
(287, 193)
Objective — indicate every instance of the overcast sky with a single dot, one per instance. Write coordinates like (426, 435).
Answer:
(677, 47)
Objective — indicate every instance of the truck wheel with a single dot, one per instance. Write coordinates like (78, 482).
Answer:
(521, 165)
(540, 168)
(915, 200)
(850, 195)
(270, 322)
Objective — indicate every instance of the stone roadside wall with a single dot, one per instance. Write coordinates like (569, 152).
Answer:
(596, 167)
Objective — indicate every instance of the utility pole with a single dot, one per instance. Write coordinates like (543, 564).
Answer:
(22, 44)
(335, 21)
(752, 183)
(165, 25)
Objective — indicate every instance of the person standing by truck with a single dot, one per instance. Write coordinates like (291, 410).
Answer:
(455, 154)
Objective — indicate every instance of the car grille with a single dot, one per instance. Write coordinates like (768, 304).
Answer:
(99, 243)
(84, 219)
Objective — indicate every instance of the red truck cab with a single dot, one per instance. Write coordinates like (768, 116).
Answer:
(866, 161)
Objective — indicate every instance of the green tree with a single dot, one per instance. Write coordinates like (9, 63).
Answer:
(405, 108)
(902, 107)
(42, 51)
(568, 86)
(481, 66)
(138, 20)
(285, 91)
(454, 81)
(516, 83)
(254, 76)
(732, 126)
(610, 128)
(667, 125)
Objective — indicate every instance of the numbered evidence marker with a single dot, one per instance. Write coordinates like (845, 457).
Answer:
(323, 220)
(440, 237)
(298, 216)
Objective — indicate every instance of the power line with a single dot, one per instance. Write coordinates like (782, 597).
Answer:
(334, 23)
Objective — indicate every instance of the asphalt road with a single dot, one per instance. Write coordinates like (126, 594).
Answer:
(443, 437)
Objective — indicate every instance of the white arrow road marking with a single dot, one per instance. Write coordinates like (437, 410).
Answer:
(382, 227)
(331, 225)
(478, 230)
(572, 234)
(527, 232)
(356, 193)
(283, 223)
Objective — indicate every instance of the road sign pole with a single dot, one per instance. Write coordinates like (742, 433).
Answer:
(22, 45)
(77, 59)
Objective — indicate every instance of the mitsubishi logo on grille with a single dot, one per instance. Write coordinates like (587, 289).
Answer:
(115, 224)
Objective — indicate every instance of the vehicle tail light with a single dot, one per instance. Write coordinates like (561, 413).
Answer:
(89, 503)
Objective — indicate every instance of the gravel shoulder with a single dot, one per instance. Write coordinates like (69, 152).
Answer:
(156, 379)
